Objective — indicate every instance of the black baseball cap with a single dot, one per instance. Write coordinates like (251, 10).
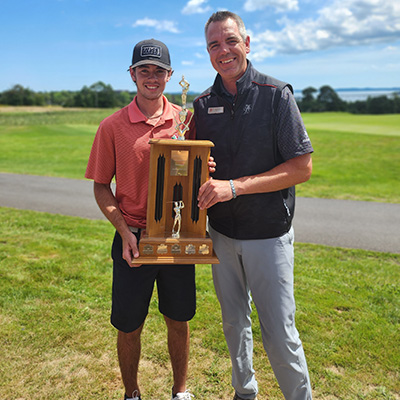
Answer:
(151, 51)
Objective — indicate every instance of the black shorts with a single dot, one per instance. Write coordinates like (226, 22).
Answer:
(133, 287)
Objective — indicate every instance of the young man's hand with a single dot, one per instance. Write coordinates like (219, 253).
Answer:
(130, 250)
(212, 165)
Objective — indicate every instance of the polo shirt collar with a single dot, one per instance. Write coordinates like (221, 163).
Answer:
(135, 115)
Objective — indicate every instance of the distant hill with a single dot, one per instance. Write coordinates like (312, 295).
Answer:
(368, 89)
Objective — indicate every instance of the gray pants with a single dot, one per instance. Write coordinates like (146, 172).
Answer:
(263, 268)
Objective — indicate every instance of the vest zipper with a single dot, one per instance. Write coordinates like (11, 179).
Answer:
(233, 106)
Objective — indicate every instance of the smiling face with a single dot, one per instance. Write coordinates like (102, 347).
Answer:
(150, 80)
(227, 51)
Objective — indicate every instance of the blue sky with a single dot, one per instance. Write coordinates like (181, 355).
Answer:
(65, 44)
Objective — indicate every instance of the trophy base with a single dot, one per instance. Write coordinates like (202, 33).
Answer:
(168, 250)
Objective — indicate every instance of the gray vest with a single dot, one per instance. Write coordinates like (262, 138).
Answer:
(245, 144)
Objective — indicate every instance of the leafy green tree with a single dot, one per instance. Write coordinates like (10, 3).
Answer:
(380, 105)
(39, 98)
(122, 98)
(103, 95)
(357, 107)
(97, 95)
(329, 100)
(61, 98)
(83, 98)
(396, 101)
(18, 96)
(308, 102)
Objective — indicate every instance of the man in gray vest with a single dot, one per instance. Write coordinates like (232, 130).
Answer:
(262, 150)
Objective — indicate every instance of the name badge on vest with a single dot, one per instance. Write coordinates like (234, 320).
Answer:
(216, 110)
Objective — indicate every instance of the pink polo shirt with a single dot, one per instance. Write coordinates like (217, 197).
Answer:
(121, 149)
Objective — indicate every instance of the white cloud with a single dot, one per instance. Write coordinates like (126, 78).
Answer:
(391, 48)
(169, 26)
(279, 5)
(343, 23)
(186, 62)
(196, 7)
(262, 54)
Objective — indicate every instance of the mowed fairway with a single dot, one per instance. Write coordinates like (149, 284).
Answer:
(51, 142)
(356, 156)
(387, 125)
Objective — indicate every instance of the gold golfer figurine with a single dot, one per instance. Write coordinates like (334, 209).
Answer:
(181, 126)
(178, 219)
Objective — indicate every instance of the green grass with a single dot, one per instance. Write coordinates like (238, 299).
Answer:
(26, 116)
(386, 125)
(51, 143)
(354, 167)
(56, 340)
(356, 157)
(55, 278)
(48, 150)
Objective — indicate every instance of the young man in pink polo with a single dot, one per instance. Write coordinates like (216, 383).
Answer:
(121, 149)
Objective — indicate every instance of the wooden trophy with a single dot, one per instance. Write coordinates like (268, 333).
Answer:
(176, 227)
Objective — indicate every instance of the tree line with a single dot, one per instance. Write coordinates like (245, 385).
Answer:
(98, 95)
(101, 95)
(326, 99)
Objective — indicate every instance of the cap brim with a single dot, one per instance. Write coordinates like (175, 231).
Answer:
(153, 62)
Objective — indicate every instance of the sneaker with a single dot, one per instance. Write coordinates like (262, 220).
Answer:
(135, 396)
(186, 395)
(236, 397)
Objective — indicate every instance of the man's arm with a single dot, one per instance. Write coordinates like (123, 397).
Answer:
(292, 172)
(108, 205)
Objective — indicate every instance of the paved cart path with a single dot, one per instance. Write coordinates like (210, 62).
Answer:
(343, 223)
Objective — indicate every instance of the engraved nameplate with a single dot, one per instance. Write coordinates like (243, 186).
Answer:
(204, 249)
(162, 249)
(190, 249)
(176, 249)
(179, 163)
(148, 249)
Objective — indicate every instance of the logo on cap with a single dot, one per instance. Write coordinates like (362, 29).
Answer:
(153, 51)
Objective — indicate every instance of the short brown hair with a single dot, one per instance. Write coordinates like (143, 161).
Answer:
(224, 15)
